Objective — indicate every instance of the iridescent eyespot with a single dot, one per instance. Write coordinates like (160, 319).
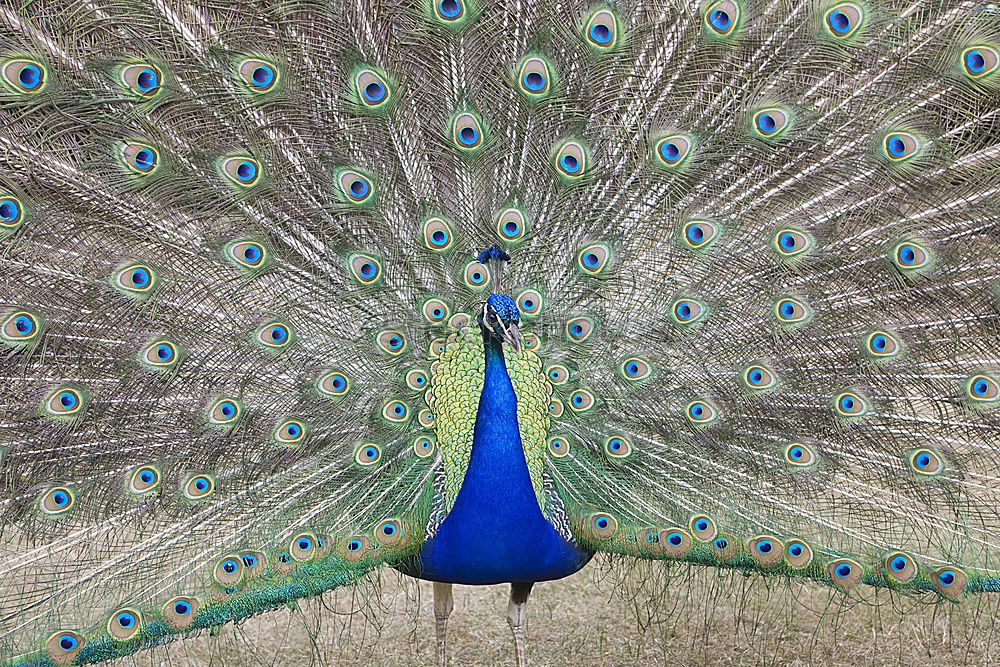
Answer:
(290, 433)
(372, 89)
(555, 408)
(534, 78)
(571, 159)
(926, 462)
(63, 646)
(24, 76)
(143, 480)
(557, 374)
(601, 29)
(355, 187)
(139, 158)
(899, 146)
(437, 234)
(770, 123)
(417, 379)
(882, 345)
(688, 311)
(558, 446)
(789, 310)
(303, 547)
(275, 335)
(241, 170)
(367, 454)
(799, 454)
(635, 369)
(979, 61)
(850, 404)
(391, 341)
(55, 501)
(792, 242)
(843, 20)
(579, 329)
(246, 254)
(423, 446)
(65, 402)
(617, 447)
(449, 10)
(179, 612)
(476, 275)
(160, 354)
(229, 570)
(134, 279)
(593, 259)
(511, 224)
(529, 302)
(700, 233)
(531, 342)
(982, 388)
(798, 554)
(673, 150)
(333, 384)
(467, 132)
(673, 542)
(911, 256)
(224, 412)
(142, 79)
(700, 413)
(899, 566)
(703, 527)
(435, 311)
(766, 550)
(390, 532)
(198, 487)
(581, 400)
(602, 525)
(365, 269)
(722, 18)
(758, 378)
(950, 581)
(20, 327)
(396, 411)
(259, 76)
(11, 212)
(125, 624)
(845, 573)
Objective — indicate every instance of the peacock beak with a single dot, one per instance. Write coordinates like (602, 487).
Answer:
(511, 335)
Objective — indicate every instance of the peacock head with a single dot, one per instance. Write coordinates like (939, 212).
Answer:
(499, 318)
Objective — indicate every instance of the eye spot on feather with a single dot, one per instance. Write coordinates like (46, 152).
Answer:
(224, 412)
(529, 302)
(372, 89)
(275, 336)
(950, 582)
(159, 355)
(725, 547)
(635, 369)
(396, 411)
(179, 612)
(982, 390)
(688, 311)
(581, 400)
(579, 329)
(531, 342)
(558, 446)
(601, 525)
(557, 374)
(24, 76)
(789, 310)
(63, 646)
(882, 345)
(555, 408)
(770, 123)
(435, 311)
(851, 404)
(618, 447)
(511, 225)
(799, 454)
(20, 327)
(980, 61)
(900, 146)
(142, 79)
(467, 132)
(843, 20)
(134, 280)
(899, 566)
(290, 433)
(700, 413)
(355, 187)
(571, 159)
(368, 454)
(758, 378)
(56, 501)
(417, 379)
(703, 527)
(365, 269)
(391, 532)
(671, 152)
(766, 550)
(476, 275)
(534, 77)
(436, 348)
(437, 234)
(791, 243)
(391, 342)
(594, 258)
(798, 554)
(138, 157)
(354, 549)
(673, 542)
(449, 10)
(601, 30)
(241, 170)
(229, 570)
(845, 573)
(144, 480)
(722, 18)
(125, 624)
(246, 254)
(423, 446)
(11, 214)
(926, 462)
(198, 487)
(65, 402)
(911, 257)
(303, 547)
(259, 76)
(700, 234)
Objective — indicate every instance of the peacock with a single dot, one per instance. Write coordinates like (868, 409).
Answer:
(296, 291)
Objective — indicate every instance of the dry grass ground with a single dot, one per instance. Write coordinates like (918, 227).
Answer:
(698, 618)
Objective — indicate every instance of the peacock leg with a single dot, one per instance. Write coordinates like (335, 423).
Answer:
(444, 603)
(515, 618)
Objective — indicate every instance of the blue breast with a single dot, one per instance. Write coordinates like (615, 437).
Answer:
(495, 531)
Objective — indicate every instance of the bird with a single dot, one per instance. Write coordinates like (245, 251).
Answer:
(296, 292)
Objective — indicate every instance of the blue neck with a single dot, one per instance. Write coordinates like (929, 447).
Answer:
(495, 531)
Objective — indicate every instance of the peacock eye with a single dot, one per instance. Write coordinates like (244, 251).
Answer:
(601, 30)
(571, 159)
(372, 89)
(476, 275)
(791, 311)
(594, 258)
(365, 269)
(246, 254)
(449, 10)
(792, 242)
(24, 76)
(722, 17)
(64, 402)
(11, 212)
(198, 487)
(19, 327)
(134, 279)
(242, 170)
(534, 78)
(978, 61)
(356, 187)
(911, 257)
(467, 132)
(844, 20)
(769, 123)
(142, 79)
(259, 76)
(56, 501)
(673, 150)
(900, 146)
(290, 432)
(275, 335)
(224, 412)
